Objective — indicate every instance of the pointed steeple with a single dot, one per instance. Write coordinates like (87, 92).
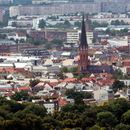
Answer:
(83, 40)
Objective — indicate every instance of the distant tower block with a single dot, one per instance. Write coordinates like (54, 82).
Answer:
(83, 50)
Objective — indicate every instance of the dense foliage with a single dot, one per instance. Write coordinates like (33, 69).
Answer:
(114, 115)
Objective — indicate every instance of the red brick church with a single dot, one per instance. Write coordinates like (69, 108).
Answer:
(84, 65)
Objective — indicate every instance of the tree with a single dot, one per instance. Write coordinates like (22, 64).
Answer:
(53, 17)
(22, 41)
(36, 41)
(60, 75)
(3, 100)
(74, 108)
(108, 31)
(77, 24)
(48, 46)
(118, 74)
(126, 118)
(34, 82)
(95, 24)
(67, 23)
(4, 112)
(68, 123)
(2, 36)
(88, 118)
(80, 76)
(118, 107)
(67, 129)
(73, 70)
(122, 127)
(64, 69)
(32, 122)
(14, 106)
(106, 119)
(78, 96)
(12, 124)
(57, 42)
(14, 24)
(117, 85)
(35, 109)
(117, 22)
(50, 123)
(19, 96)
(42, 23)
(96, 127)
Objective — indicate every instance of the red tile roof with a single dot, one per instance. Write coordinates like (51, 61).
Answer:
(70, 80)
(9, 70)
(62, 102)
(24, 88)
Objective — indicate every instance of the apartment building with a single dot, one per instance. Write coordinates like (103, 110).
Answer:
(54, 9)
(72, 36)
(116, 7)
(49, 1)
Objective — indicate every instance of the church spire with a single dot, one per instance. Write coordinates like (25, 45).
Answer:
(83, 50)
(83, 40)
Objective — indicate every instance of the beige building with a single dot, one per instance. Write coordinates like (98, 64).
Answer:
(72, 36)
(89, 37)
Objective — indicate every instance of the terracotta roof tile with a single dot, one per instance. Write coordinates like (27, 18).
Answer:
(24, 88)
(70, 80)
(62, 102)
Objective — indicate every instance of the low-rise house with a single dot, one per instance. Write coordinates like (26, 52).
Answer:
(5, 87)
(62, 102)
(103, 94)
(43, 86)
(121, 94)
(70, 86)
(18, 36)
(51, 106)
(69, 63)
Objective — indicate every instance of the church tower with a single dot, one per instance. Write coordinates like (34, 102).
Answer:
(83, 50)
